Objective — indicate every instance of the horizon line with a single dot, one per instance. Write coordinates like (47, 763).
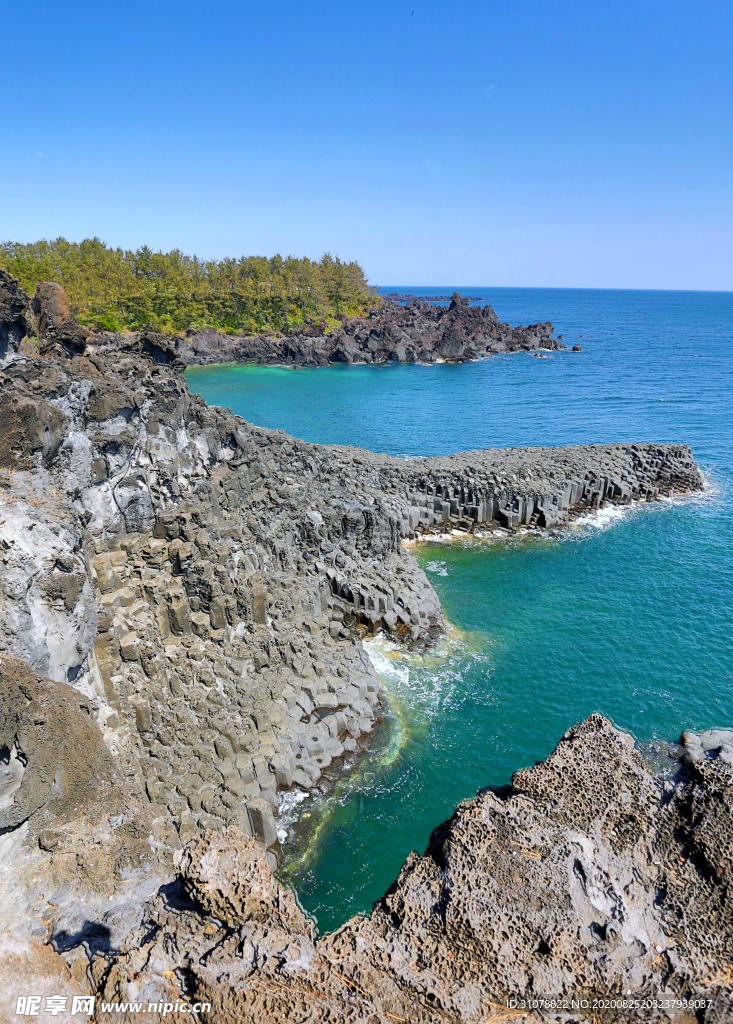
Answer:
(553, 288)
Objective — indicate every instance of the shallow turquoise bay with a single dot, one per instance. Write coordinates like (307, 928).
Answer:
(629, 614)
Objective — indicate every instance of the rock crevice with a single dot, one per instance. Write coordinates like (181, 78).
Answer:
(200, 588)
(588, 877)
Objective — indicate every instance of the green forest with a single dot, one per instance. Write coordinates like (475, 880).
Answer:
(120, 289)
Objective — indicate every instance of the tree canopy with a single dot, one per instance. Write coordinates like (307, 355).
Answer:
(121, 288)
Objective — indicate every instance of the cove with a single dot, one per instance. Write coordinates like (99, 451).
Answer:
(629, 614)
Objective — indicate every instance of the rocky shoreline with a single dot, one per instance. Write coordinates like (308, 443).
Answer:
(415, 333)
(588, 883)
(409, 297)
(190, 590)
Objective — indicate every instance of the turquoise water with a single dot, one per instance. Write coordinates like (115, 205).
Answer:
(630, 614)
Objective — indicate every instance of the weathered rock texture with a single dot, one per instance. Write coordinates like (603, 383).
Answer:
(587, 877)
(201, 585)
(406, 334)
(14, 315)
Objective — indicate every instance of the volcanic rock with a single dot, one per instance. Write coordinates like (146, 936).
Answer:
(191, 592)
(417, 332)
(14, 314)
(589, 878)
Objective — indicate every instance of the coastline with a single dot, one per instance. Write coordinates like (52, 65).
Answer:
(193, 598)
(439, 361)
(592, 517)
(417, 333)
(353, 792)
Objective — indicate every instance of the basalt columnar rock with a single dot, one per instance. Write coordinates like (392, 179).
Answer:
(200, 586)
(588, 878)
(417, 333)
(204, 582)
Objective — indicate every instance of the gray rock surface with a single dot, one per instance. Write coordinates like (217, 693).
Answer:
(202, 586)
(709, 744)
(588, 877)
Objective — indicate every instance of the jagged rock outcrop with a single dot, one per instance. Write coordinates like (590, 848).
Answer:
(417, 333)
(588, 877)
(201, 586)
(53, 325)
(49, 308)
(14, 315)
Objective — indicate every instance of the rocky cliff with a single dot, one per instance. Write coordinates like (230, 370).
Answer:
(588, 879)
(416, 333)
(193, 590)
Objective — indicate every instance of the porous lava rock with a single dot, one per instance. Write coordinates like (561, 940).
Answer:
(589, 878)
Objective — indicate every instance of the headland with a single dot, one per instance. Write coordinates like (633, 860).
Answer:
(414, 333)
(189, 592)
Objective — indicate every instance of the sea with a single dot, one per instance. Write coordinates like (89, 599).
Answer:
(628, 613)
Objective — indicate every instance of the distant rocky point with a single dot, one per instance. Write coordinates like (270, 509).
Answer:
(410, 297)
(415, 333)
(183, 598)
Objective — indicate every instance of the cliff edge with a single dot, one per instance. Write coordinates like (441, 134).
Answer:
(182, 600)
(588, 880)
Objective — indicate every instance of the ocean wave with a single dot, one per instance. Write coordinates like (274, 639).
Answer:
(603, 518)
(419, 686)
(288, 810)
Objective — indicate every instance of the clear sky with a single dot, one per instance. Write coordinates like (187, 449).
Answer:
(506, 142)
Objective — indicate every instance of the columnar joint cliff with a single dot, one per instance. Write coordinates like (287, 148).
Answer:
(192, 590)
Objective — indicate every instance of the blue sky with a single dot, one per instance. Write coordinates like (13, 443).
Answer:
(516, 142)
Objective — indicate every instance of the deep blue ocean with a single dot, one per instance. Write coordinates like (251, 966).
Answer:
(630, 613)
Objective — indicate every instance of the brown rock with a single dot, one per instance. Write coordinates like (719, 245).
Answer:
(54, 743)
(31, 429)
(49, 308)
(229, 875)
(588, 877)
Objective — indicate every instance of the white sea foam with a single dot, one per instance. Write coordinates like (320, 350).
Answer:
(713, 490)
(604, 518)
(420, 686)
(388, 668)
(437, 568)
(612, 515)
(288, 810)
